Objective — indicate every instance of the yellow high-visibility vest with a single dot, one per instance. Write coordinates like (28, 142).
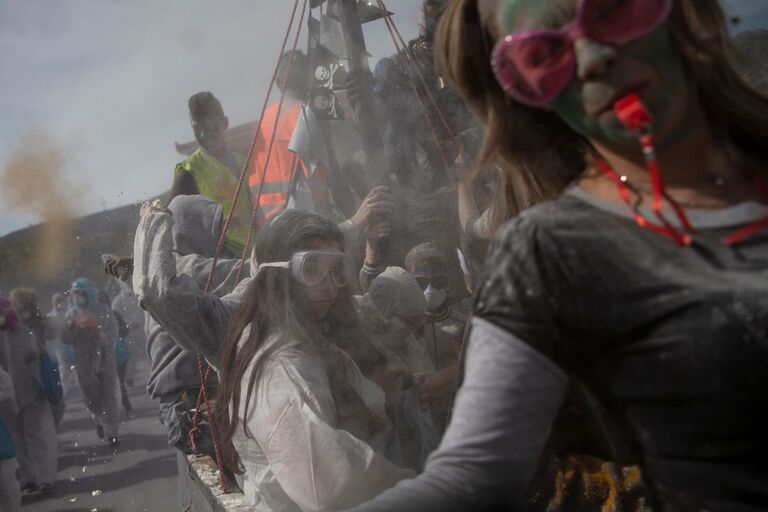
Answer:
(216, 181)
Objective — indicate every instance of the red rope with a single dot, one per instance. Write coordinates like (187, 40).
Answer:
(252, 146)
(433, 131)
(414, 64)
(257, 205)
(204, 368)
(420, 101)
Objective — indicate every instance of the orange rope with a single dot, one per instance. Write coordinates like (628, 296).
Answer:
(403, 52)
(254, 214)
(414, 64)
(203, 367)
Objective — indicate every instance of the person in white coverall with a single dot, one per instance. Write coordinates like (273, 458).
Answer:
(64, 353)
(31, 421)
(126, 305)
(193, 223)
(91, 330)
(10, 493)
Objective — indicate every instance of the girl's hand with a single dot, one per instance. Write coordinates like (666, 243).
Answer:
(154, 206)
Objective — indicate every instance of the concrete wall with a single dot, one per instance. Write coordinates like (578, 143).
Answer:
(205, 490)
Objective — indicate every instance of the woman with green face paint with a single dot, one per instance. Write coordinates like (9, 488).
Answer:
(641, 269)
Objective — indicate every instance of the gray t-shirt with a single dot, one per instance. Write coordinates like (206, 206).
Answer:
(672, 341)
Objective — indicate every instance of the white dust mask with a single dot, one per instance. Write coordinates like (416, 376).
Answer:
(435, 297)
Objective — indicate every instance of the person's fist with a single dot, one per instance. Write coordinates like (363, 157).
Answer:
(153, 206)
(378, 202)
(378, 231)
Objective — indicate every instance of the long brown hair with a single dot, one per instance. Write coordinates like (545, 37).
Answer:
(273, 304)
(539, 153)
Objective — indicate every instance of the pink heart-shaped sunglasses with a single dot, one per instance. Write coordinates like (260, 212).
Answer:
(535, 66)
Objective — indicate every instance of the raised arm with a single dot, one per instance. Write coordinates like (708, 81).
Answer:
(196, 320)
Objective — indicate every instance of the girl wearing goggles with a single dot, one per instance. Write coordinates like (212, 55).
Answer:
(294, 381)
(649, 291)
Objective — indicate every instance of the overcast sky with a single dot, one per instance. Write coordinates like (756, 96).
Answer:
(109, 79)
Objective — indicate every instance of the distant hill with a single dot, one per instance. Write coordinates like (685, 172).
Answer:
(80, 247)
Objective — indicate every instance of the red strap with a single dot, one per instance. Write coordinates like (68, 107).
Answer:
(684, 239)
(750, 229)
(681, 239)
(743, 233)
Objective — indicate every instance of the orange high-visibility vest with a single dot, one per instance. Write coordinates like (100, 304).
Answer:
(277, 179)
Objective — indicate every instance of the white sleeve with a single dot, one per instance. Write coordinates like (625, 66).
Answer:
(197, 321)
(501, 422)
(319, 466)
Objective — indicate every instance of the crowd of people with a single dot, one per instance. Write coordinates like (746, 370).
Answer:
(81, 347)
(347, 338)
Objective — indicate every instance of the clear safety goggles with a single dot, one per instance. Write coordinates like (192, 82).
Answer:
(311, 267)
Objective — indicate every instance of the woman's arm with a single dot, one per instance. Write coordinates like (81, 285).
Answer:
(196, 320)
(467, 207)
(501, 422)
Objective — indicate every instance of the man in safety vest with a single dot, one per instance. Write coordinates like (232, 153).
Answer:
(212, 171)
(277, 182)
(270, 181)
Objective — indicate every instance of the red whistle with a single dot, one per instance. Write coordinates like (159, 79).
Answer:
(632, 113)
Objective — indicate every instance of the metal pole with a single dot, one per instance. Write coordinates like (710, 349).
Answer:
(364, 111)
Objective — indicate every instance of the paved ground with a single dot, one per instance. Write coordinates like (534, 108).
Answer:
(140, 474)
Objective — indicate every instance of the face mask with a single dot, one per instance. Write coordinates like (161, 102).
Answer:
(435, 297)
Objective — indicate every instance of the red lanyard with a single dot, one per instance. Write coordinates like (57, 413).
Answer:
(665, 228)
(635, 117)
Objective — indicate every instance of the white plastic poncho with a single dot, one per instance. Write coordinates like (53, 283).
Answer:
(302, 455)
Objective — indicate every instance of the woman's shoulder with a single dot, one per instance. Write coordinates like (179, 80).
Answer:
(550, 218)
(527, 278)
